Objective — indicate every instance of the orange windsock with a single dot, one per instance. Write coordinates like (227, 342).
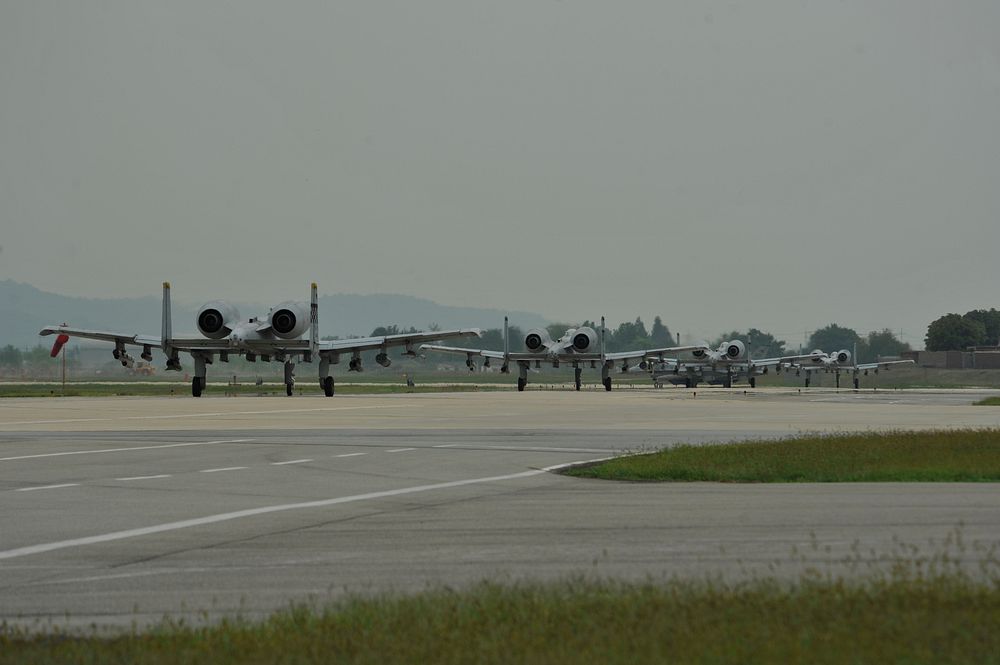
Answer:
(60, 343)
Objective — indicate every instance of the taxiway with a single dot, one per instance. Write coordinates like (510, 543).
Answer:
(124, 510)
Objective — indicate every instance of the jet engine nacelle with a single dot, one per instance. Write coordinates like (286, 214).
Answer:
(700, 353)
(843, 356)
(816, 356)
(735, 349)
(536, 339)
(216, 319)
(290, 320)
(584, 338)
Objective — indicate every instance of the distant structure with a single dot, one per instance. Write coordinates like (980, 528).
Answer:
(975, 357)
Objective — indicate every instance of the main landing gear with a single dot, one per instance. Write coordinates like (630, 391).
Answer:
(289, 378)
(753, 381)
(606, 375)
(522, 377)
(200, 372)
(577, 372)
(327, 384)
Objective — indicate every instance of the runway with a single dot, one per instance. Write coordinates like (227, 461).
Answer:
(126, 509)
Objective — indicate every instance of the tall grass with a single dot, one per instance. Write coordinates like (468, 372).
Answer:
(945, 456)
(899, 606)
(947, 618)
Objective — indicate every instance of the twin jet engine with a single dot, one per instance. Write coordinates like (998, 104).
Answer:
(733, 350)
(576, 340)
(218, 320)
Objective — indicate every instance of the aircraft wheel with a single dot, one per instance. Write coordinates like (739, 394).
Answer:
(727, 383)
(196, 386)
(288, 389)
(807, 382)
(607, 384)
(521, 383)
(857, 383)
(687, 383)
(328, 386)
(753, 381)
(578, 384)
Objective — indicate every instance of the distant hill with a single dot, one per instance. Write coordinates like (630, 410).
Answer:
(24, 310)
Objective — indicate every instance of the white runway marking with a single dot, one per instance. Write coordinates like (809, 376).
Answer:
(225, 468)
(447, 445)
(161, 475)
(122, 450)
(351, 455)
(291, 461)
(400, 450)
(225, 517)
(46, 487)
(206, 415)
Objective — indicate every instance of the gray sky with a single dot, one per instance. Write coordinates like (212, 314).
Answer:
(776, 164)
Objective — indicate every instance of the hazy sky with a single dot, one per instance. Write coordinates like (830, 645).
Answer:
(777, 164)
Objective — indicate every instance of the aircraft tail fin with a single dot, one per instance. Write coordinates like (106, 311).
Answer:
(506, 342)
(313, 320)
(603, 331)
(166, 332)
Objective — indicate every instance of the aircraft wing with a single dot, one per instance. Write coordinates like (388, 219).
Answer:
(405, 339)
(650, 353)
(883, 365)
(460, 351)
(783, 360)
(103, 336)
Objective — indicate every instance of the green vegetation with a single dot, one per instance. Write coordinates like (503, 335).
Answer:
(908, 616)
(957, 332)
(877, 344)
(989, 401)
(953, 456)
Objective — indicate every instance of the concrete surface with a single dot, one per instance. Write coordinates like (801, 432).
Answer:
(126, 509)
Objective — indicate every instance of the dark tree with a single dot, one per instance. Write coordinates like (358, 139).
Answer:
(953, 332)
(760, 344)
(833, 338)
(628, 336)
(659, 335)
(880, 344)
(11, 357)
(990, 318)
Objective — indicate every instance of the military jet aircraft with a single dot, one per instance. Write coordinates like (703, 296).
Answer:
(840, 362)
(277, 335)
(577, 347)
(728, 363)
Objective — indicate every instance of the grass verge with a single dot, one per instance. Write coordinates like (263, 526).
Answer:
(183, 389)
(946, 618)
(989, 401)
(946, 456)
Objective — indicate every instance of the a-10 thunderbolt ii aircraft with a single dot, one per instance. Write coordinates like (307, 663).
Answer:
(840, 362)
(277, 336)
(728, 363)
(577, 347)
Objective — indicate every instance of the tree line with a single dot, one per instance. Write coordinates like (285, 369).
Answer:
(957, 332)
